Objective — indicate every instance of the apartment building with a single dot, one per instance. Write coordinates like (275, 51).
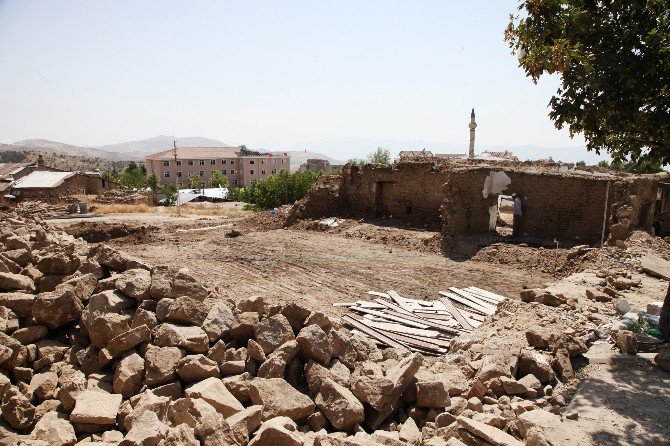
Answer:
(242, 166)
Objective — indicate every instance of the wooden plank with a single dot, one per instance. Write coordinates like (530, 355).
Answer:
(373, 333)
(399, 328)
(394, 307)
(486, 299)
(378, 294)
(456, 314)
(367, 304)
(464, 301)
(344, 304)
(411, 317)
(400, 301)
(489, 293)
(412, 341)
(474, 299)
(393, 317)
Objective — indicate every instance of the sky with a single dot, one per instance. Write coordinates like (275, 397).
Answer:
(267, 73)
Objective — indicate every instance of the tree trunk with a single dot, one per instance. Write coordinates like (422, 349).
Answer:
(664, 323)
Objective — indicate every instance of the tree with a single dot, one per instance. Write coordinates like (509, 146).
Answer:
(195, 181)
(356, 162)
(604, 164)
(152, 182)
(133, 179)
(131, 167)
(218, 179)
(380, 156)
(614, 62)
(580, 163)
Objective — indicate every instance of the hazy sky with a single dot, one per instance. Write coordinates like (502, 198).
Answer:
(266, 73)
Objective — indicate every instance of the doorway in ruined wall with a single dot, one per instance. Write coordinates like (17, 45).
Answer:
(383, 194)
(505, 215)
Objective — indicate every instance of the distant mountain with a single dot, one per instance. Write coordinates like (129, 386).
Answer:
(43, 145)
(159, 143)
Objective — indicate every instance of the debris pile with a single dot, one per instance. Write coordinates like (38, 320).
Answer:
(99, 347)
(422, 326)
(43, 209)
(122, 197)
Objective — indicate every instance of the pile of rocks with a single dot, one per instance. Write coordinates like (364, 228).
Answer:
(122, 197)
(97, 347)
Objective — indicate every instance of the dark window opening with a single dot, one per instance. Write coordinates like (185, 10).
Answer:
(409, 210)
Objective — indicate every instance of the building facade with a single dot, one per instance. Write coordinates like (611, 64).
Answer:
(243, 167)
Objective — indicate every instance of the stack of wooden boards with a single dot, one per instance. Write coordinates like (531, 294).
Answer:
(418, 325)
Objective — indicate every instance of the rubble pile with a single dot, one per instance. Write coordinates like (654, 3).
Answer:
(42, 208)
(97, 347)
(122, 197)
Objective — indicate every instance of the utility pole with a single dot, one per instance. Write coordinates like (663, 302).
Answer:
(176, 177)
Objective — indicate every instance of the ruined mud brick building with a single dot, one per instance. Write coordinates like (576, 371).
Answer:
(45, 185)
(462, 198)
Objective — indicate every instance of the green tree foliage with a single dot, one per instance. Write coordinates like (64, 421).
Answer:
(170, 193)
(218, 179)
(152, 182)
(581, 163)
(132, 178)
(614, 60)
(604, 164)
(13, 156)
(356, 162)
(195, 181)
(643, 165)
(380, 156)
(277, 190)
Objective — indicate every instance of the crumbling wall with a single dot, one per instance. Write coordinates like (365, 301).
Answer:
(322, 201)
(410, 192)
(555, 206)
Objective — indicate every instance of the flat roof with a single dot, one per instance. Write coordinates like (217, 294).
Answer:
(42, 180)
(207, 153)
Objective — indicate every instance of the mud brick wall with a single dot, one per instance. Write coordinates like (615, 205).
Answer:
(75, 185)
(410, 192)
(568, 208)
(322, 201)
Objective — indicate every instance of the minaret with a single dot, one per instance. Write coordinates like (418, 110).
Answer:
(473, 126)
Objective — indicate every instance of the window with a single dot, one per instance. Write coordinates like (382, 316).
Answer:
(274, 161)
(179, 174)
(232, 172)
(190, 162)
(274, 171)
(234, 182)
(223, 161)
(104, 184)
(202, 162)
(224, 171)
(262, 161)
(212, 162)
(252, 162)
(178, 162)
(166, 174)
(253, 182)
(190, 172)
(232, 161)
(202, 173)
(263, 172)
(166, 163)
(282, 160)
(251, 171)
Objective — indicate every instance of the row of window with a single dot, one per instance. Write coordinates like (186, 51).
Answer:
(223, 171)
(166, 163)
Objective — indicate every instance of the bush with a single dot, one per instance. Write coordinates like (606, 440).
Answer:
(277, 190)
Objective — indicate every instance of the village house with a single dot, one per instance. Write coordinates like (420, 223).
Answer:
(243, 167)
(58, 184)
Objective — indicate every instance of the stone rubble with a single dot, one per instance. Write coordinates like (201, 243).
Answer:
(96, 347)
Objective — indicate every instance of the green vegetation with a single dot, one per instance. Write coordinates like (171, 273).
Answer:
(581, 163)
(218, 179)
(276, 190)
(613, 58)
(380, 156)
(356, 162)
(133, 177)
(644, 165)
(13, 156)
(195, 181)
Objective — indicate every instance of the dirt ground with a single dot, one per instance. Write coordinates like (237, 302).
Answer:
(313, 267)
